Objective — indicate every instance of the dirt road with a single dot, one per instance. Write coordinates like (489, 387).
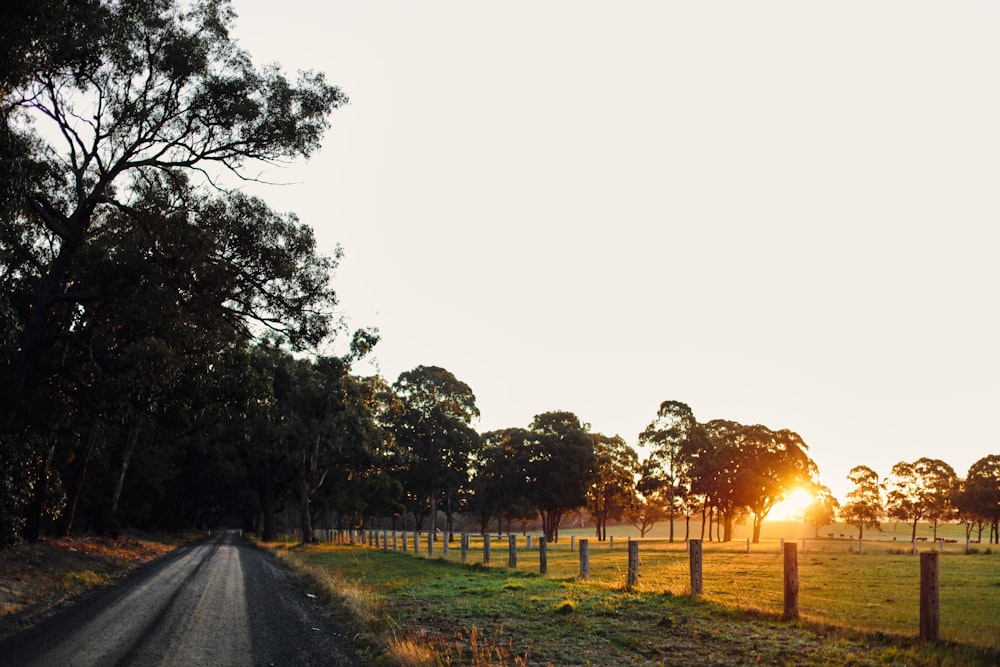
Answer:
(215, 603)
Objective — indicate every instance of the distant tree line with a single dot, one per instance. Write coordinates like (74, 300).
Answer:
(166, 344)
(927, 490)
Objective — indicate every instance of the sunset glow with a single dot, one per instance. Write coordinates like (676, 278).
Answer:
(793, 507)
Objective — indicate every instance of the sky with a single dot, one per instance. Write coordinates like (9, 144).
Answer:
(781, 213)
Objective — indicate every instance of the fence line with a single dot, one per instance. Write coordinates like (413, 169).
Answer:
(929, 598)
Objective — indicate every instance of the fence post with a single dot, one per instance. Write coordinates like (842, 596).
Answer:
(782, 548)
(633, 564)
(416, 542)
(395, 544)
(543, 564)
(528, 538)
(430, 544)
(748, 545)
(585, 560)
(486, 548)
(512, 551)
(803, 545)
(611, 545)
(447, 539)
(791, 581)
(466, 537)
(913, 546)
(694, 558)
(930, 607)
(572, 542)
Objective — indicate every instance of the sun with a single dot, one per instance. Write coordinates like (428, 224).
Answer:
(793, 507)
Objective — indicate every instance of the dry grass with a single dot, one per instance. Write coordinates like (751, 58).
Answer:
(385, 638)
(36, 576)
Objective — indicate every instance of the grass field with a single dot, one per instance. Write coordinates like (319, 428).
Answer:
(855, 608)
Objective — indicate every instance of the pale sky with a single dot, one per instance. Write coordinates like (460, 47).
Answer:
(781, 213)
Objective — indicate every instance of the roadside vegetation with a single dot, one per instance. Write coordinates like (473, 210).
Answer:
(36, 577)
(857, 609)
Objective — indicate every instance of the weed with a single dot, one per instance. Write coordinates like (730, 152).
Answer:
(85, 578)
(566, 607)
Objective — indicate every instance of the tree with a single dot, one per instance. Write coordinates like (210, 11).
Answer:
(499, 471)
(669, 436)
(979, 498)
(772, 464)
(940, 486)
(613, 490)
(317, 416)
(644, 513)
(747, 470)
(714, 466)
(864, 505)
(435, 431)
(822, 511)
(164, 89)
(924, 488)
(560, 468)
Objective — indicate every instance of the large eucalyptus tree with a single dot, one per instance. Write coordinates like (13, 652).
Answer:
(434, 430)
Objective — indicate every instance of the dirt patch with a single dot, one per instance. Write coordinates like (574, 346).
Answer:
(37, 577)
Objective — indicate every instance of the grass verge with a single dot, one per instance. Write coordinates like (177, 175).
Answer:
(431, 611)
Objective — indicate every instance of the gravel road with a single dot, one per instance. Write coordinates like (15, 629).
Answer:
(216, 603)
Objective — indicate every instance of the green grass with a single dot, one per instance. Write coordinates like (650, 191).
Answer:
(856, 609)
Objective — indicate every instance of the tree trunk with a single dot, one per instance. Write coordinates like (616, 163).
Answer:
(269, 528)
(39, 327)
(305, 515)
(36, 510)
(133, 437)
(913, 533)
(550, 525)
(448, 516)
(434, 512)
(756, 529)
(671, 516)
(76, 489)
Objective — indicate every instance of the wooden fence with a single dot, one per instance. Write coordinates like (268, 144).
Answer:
(929, 629)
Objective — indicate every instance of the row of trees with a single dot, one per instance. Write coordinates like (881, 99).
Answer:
(131, 289)
(927, 490)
